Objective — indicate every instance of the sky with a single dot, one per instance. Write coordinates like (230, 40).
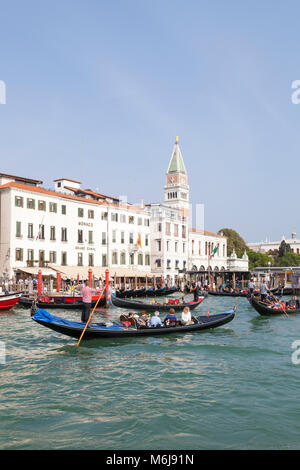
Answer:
(97, 91)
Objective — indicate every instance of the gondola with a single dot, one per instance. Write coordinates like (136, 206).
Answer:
(7, 301)
(161, 307)
(60, 302)
(263, 309)
(132, 293)
(117, 329)
(282, 291)
(228, 294)
(161, 292)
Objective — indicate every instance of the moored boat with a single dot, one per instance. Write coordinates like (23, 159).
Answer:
(159, 306)
(117, 329)
(67, 302)
(7, 301)
(269, 309)
(132, 293)
(229, 294)
(282, 291)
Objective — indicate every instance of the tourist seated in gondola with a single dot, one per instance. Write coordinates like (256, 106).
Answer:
(155, 320)
(186, 318)
(144, 319)
(128, 320)
(295, 302)
(170, 319)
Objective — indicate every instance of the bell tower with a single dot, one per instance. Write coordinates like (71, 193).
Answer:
(176, 188)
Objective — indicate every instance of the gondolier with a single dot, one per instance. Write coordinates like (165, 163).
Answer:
(251, 287)
(86, 301)
(195, 291)
(263, 290)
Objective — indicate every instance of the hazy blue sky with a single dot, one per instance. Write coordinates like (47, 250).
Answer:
(98, 90)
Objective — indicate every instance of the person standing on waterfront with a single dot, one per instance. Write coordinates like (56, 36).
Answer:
(86, 301)
(263, 290)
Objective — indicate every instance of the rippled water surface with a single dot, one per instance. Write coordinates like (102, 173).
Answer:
(231, 388)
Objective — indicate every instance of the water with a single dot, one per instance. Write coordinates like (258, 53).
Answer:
(232, 388)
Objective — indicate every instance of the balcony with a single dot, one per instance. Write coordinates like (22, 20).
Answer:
(132, 247)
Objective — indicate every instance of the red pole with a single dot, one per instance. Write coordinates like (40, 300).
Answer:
(57, 281)
(91, 277)
(40, 283)
(107, 287)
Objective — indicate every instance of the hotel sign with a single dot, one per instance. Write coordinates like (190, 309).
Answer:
(86, 224)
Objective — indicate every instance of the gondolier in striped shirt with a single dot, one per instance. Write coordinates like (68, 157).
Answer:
(87, 293)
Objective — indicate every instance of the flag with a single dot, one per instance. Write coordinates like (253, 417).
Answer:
(139, 241)
(214, 252)
(39, 232)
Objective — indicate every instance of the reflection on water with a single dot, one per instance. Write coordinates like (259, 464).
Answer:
(215, 389)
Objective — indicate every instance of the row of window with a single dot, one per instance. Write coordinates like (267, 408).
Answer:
(53, 207)
(175, 229)
(41, 257)
(158, 263)
(41, 232)
(116, 237)
(41, 205)
(117, 258)
(116, 217)
(168, 246)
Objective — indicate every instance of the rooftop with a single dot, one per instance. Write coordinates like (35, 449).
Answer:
(21, 179)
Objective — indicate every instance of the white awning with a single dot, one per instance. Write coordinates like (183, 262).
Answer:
(34, 271)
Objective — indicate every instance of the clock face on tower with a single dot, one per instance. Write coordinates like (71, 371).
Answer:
(172, 179)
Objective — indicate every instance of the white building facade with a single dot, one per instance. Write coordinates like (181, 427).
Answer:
(264, 247)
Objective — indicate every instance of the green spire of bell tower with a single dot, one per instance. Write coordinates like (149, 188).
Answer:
(176, 163)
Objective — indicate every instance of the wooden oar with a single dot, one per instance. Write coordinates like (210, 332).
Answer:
(89, 320)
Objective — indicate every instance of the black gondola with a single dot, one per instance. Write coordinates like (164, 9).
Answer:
(132, 293)
(100, 330)
(59, 303)
(268, 310)
(139, 305)
(228, 294)
(282, 291)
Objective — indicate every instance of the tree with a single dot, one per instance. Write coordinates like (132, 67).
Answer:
(284, 248)
(257, 260)
(234, 242)
(289, 259)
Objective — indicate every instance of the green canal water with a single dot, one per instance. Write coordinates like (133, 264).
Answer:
(232, 388)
